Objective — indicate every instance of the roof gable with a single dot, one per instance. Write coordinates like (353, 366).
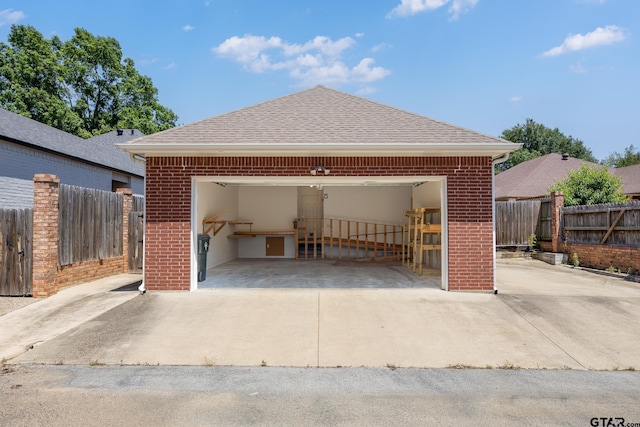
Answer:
(317, 117)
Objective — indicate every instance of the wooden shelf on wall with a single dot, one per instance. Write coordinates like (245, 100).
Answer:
(215, 223)
(240, 234)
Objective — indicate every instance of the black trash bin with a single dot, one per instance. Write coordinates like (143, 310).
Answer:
(203, 248)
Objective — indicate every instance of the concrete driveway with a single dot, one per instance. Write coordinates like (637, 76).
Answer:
(543, 317)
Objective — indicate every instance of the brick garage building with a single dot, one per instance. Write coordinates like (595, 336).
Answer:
(368, 161)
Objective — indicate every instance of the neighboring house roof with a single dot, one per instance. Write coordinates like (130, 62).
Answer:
(25, 131)
(15, 193)
(630, 179)
(319, 121)
(107, 142)
(533, 178)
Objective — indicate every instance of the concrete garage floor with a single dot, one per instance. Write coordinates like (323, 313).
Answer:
(314, 274)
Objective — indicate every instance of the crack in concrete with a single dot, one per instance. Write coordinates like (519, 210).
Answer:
(503, 299)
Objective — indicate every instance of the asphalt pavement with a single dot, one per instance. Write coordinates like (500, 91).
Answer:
(60, 395)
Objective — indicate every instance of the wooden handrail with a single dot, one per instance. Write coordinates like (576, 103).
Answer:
(318, 237)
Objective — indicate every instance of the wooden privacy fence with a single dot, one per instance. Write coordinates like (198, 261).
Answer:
(90, 224)
(137, 203)
(136, 238)
(136, 235)
(516, 221)
(611, 224)
(16, 252)
(545, 217)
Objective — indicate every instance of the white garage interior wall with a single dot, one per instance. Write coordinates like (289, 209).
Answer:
(384, 205)
(270, 209)
(211, 199)
(427, 195)
(274, 207)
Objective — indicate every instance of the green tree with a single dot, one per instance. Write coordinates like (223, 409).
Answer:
(83, 85)
(590, 186)
(631, 156)
(30, 83)
(538, 140)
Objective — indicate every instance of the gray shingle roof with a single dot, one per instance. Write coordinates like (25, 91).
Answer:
(19, 128)
(532, 179)
(318, 116)
(107, 142)
(630, 178)
(15, 193)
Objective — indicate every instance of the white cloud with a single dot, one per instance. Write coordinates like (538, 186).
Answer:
(381, 46)
(459, 7)
(599, 37)
(366, 72)
(318, 61)
(10, 16)
(359, 35)
(516, 99)
(413, 7)
(188, 28)
(170, 66)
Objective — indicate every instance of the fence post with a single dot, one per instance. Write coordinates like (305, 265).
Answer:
(557, 203)
(127, 206)
(45, 234)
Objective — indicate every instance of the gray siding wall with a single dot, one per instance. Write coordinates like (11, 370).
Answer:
(137, 185)
(23, 162)
(15, 193)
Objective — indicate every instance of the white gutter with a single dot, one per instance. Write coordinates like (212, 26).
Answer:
(500, 159)
(315, 149)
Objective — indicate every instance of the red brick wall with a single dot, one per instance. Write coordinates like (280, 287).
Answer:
(168, 207)
(45, 234)
(48, 276)
(80, 272)
(601, 256)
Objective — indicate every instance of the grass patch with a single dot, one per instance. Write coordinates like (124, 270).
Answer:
(508, 366)
(459, 366)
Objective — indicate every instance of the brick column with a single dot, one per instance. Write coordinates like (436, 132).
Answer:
(45, 234)
(127, 206)
(557, 203)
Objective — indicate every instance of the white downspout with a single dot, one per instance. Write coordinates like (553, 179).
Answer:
(142, 289)
(500, 159)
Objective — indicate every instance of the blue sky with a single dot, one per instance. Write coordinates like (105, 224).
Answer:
(486, 65)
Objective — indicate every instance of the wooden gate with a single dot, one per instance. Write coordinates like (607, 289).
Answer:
(516, 221)
(16, 254)
(136, 239)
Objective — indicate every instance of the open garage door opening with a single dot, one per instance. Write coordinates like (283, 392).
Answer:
(303, 232)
